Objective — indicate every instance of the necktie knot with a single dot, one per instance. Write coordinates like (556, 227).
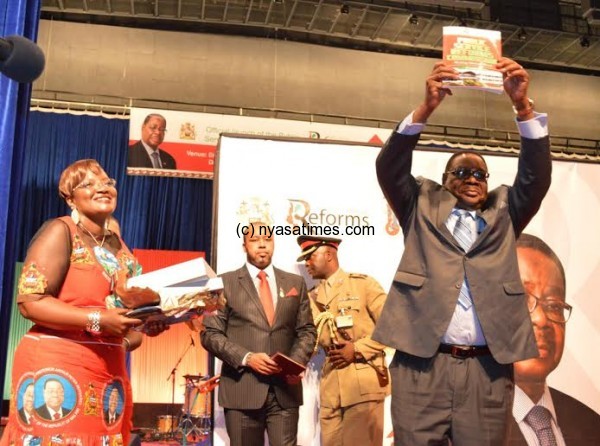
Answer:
(540, 420)
(262, 276)
(56, 416)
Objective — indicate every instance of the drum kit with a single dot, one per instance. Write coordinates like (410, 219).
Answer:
(194, 424)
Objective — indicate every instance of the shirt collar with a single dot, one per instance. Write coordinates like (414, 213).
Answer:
(332, 279)
(523, 404)
(149, 149)
(253, 270)
(52, 411)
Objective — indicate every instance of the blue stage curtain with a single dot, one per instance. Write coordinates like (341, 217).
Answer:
(154, 212)
(16, 17)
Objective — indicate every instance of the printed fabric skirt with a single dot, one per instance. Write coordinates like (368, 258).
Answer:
(69, 388)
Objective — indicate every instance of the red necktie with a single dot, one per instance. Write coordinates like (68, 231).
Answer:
(56, 416)
(266, 298)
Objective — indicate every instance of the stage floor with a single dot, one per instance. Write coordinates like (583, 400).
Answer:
(156, 437)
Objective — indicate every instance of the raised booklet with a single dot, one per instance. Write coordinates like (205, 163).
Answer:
(186, 291)
(287, 364)
(473, 52)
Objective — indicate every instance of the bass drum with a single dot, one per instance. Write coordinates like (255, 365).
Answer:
(165, 423)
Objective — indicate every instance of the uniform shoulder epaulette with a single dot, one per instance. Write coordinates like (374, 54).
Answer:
(358, 276)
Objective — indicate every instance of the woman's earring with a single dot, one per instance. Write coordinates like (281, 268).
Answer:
(75, 216)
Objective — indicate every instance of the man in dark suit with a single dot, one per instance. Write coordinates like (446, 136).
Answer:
(110, 414)
(267, 311)
(26, 412)
(456, 312)
(146, 152)
(54, 396)
(570, 421)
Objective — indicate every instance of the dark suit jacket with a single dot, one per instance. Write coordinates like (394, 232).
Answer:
(579, 424)
(138, 157)
(22, 416)
(242, 327)
(117, 415)
(423, 295)
(44, 413)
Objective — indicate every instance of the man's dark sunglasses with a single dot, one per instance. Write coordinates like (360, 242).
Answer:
(462, 173)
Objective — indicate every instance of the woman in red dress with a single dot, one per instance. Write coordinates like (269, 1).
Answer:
(73, 357)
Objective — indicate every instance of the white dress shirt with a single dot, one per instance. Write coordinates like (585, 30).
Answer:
(521, 407)
(253, 270)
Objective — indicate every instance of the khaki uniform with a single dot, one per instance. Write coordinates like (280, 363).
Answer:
(360, 388)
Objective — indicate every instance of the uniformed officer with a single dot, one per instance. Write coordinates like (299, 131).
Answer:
(355, 379)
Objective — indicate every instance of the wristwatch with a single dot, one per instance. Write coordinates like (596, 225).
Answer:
(524, 110)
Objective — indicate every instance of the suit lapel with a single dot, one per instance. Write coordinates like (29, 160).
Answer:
(446, 204)
(281, 287)
(247, 284)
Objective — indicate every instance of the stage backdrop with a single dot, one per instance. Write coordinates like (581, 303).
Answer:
(334, 185)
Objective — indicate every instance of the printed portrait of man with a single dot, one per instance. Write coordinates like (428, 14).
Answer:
(112, 413)
(26, 412)
(147, 152)
(540, 411)
(54, 397)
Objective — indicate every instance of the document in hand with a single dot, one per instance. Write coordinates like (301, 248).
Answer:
(473, 52)
(287, 364)
(186, 290)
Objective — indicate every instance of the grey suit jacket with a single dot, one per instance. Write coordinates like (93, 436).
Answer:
(242, 327)
(425, 289)
(580, 425)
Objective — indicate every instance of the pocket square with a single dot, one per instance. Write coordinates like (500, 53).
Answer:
(291, 293)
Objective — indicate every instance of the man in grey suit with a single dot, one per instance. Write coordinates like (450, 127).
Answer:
(267, 311)
(570, 421)
(456, 312)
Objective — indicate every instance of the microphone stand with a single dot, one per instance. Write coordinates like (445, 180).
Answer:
(172, 376)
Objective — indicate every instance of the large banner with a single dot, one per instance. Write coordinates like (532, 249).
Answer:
(333, 184)
(186, 141)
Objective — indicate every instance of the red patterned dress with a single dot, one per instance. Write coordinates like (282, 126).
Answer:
(70, 387)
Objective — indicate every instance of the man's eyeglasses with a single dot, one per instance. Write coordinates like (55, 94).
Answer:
(157, 129)
(105, 184)
(462, 173)
(554, 309)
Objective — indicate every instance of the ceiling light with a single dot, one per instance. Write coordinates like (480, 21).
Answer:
(345, 9)
(413, 19)
(522, 34)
